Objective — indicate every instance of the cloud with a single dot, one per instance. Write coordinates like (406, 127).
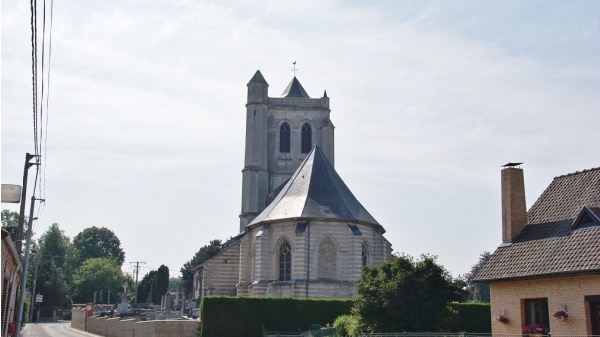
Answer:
(146, 119)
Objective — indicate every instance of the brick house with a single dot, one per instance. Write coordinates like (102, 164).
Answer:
(549, 260)
(11, 279)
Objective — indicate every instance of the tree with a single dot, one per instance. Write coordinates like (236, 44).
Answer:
(175, 285)
(406, 295)
(99, 274)
(146, 288)
(480, 291)
(205, 253)
(155, 284)
(10, 223)
(96, 242)
(56, 259)
(162, 280)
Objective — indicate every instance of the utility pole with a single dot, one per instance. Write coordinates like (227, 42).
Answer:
(25, 267)
(32, 304)
(137, 272)
(19, 236)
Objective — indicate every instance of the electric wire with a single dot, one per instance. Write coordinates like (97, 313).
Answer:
(34, 68)
(45, 140)
(43, 92)
(41, 101)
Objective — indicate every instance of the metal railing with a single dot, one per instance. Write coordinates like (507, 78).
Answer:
(461, 334)
(328, 332)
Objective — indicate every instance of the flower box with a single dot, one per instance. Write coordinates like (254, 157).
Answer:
(561, 315)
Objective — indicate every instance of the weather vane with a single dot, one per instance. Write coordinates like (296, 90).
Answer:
(294, 70)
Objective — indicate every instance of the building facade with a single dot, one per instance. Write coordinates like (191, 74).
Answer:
(11, 279)
(546, 274)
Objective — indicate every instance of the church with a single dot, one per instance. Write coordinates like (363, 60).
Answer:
(302, 232)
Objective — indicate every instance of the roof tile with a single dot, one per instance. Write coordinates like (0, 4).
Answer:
(547, 245)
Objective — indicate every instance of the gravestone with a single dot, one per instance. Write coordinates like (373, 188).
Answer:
(168, 302)
(123, 307)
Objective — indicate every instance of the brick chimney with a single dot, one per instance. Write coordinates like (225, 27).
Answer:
(514, 213)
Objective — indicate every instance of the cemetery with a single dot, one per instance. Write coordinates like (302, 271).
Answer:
(141, 319)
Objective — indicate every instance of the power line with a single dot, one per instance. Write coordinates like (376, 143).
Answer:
(48, 94)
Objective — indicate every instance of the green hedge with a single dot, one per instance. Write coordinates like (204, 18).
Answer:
(245, 316)
(471, 317)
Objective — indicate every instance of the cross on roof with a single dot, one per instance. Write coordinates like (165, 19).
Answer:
(294, 70)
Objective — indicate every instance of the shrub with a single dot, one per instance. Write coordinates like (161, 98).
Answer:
(346, 325)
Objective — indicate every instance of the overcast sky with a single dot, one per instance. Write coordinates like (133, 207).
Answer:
(146, 115)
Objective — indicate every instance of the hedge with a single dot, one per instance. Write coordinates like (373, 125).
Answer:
(471, 317)
(223, 316)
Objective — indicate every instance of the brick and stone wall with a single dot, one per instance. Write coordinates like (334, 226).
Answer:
(11, 278)
(569, 291)
(334, 261)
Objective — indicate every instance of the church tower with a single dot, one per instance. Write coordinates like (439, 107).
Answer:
(280, 132)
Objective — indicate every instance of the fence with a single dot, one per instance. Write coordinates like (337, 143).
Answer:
(330, 332)
(327, 332)
(461, 334)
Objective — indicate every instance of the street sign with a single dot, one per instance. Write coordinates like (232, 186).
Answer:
(11, 193)
(39, 298)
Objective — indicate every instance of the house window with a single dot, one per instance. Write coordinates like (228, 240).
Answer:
(327, 259)
(365, 253)
(284, 138)
(285, 261)
(536, 313)
(306, 145)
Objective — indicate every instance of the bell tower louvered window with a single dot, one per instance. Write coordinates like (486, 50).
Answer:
(284, 138)
(306, 145)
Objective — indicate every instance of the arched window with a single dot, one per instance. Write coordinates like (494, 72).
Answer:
(327, 259)
(285, 261)
(365, 253)
(284, 138)
(306, 145)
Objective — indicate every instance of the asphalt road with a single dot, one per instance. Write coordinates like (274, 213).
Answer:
(60, 329)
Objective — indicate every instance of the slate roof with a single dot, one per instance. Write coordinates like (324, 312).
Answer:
(258, 78)
(295, 89)
(550, 244)
(316, 192)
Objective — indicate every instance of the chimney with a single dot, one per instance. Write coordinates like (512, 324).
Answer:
(514, 213)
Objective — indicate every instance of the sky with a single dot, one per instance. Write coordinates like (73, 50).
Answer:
(144, 121)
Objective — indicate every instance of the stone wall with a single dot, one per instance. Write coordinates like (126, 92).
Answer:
(116, 327)
(509, 297)
(78, 318)
(97, 325)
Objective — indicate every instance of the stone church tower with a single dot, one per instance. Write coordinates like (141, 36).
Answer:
(280, 132)
(303, 233)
